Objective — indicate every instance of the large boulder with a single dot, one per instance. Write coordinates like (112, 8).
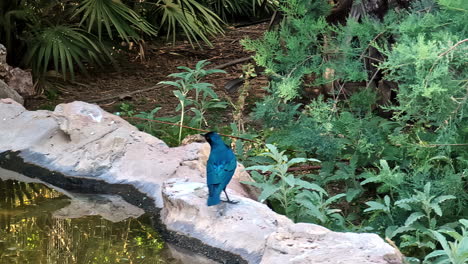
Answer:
(309, 243)
(81, 141)
(259, 235)
(241, 228)
(7, 92)
(17, 79)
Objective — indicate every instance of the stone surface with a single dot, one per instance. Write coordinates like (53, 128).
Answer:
(241, 228)
(7, 92)
(81, 140)
(259, 235)
(21, 81)
(3, 54)
(17, 79)
(309, 243)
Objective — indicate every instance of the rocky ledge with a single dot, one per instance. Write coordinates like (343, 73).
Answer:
(80, 146)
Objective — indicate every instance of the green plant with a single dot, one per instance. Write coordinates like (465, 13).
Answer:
(193, 18)
(230, 9)
(72, 34)
(66, 47)
(125, 110)
(248, 72)
(456, 251)
(391, 180)
(278, 173)
(188, 81)
(13, 17)
(148, 126)
(319, 209)
(113, 15)
(414, 230)
(381, 206)
(297, 198)
(392, 118)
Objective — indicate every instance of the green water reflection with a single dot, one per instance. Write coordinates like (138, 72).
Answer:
(29, 233)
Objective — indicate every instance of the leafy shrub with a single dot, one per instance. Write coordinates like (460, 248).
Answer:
(406, 166)
(65, 46)
(288, 193)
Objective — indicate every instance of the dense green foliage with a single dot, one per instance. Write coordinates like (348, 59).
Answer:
(396, 167)
(404, 177)
(62, 35)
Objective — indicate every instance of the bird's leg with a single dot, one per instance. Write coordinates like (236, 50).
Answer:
(228, 200)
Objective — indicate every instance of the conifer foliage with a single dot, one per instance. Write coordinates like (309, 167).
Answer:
(396, 160)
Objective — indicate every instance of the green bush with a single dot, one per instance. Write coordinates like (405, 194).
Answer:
(402, 174)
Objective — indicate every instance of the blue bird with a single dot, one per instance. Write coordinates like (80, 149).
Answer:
(219, 168)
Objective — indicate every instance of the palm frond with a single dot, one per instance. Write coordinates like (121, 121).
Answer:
(65, 46)
(113, 15)
(193, 18)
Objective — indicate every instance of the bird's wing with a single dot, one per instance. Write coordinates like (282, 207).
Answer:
(220, 170)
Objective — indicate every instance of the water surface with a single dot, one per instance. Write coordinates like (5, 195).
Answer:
(36, 228)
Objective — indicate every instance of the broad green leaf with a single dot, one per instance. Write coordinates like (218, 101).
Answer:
(413, 217)
(352, 193)
(464, 222)
(442, 240)
(436, 253)
(436, 209)
(267, 191)
(296, 160)
(443, 198)
(309, 185)
(335, 198)
(427, 188)
(400, 230)
(179, 95)
(263, 168)
(176, 84)
(290, 180)
(375, 206)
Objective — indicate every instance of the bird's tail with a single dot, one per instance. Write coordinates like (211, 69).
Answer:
(213, 200)
(214, 194)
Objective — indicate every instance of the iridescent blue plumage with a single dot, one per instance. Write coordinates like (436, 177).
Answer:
(219, 168)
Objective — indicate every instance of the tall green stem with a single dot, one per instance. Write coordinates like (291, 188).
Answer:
(182, 106)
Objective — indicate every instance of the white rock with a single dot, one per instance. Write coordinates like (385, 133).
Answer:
(82, 140)
(309, 243)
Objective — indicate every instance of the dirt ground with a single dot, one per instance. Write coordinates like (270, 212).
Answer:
(160, 60)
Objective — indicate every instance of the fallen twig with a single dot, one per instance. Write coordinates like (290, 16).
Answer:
(179, 125)
(252, 23)
(234, 62)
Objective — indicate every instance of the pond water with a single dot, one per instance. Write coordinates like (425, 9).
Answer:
(38, 225)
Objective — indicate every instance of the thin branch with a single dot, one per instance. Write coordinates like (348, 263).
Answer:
(305, 168)
(234, 62)
(453, 47)
(441, 145)
(179, 125)
(368, 45)
(253, 23)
